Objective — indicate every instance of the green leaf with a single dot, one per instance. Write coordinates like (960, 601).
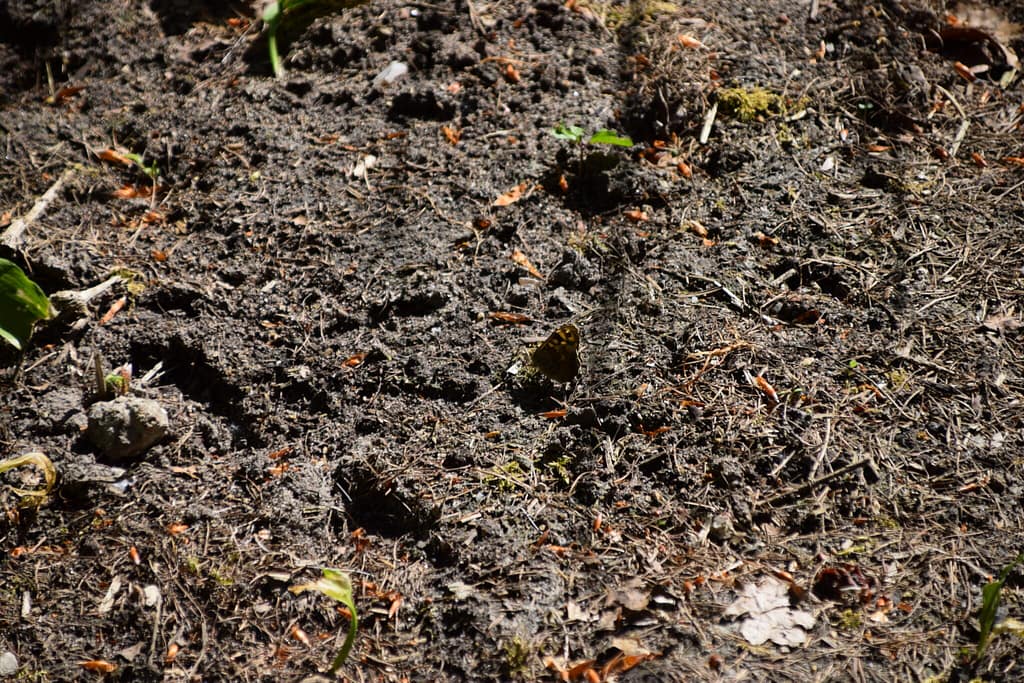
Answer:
(990, 596)
(336, 585)
(22, 304)
(570, 133)
(610, 137)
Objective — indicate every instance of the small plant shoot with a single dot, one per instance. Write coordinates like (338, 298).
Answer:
(594, 162)
(576, 135)
(991, 595)
(296, 15)
(336, 585)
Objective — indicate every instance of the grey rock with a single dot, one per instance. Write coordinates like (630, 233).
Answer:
(8, 664)
(126, 426)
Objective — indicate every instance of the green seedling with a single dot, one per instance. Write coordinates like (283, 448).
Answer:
(990, 597)
(296, 15)
(152, 170)
(578, 137)
(336, 585)
(22, 305)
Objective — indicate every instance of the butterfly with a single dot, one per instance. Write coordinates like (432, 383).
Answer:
(558, 355)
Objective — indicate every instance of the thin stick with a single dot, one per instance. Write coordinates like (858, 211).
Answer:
(811, 485)
(13, 235)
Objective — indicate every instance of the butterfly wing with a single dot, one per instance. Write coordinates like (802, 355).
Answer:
(558, 356)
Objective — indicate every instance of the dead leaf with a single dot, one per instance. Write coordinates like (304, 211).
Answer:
(354, 360)
(452, 135)
(64, 94)
(630, 595)
(505, 317)
(696, 227)
(131, 191)
(520, 259)
(1002, 322)
(769, 616)
(114, 309)
(512, 196)
(98, 665)
(690, 42)
(113, 156)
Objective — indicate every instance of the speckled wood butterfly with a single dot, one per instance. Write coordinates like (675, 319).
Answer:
(558, 356)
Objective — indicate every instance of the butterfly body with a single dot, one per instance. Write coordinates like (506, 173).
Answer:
(558, 356)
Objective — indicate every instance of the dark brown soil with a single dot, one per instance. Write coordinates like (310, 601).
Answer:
(801, 339)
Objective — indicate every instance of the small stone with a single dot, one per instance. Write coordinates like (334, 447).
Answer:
(391, 73)
(8, 664)
(126, 426)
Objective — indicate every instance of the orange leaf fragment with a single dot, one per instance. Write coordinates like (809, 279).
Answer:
(359, 539)
(512, 196)
(978, 159)
(64, 94)
(153, 217)
(520, 259)
(172, 653)
(689, 41)
(696, 227)
(765, 388)
(512, 74)
(354, 360)
(298, 634)
(684, 169)
(452, 135)
(965, 72)
(280, 453)
(98, 665)
(113, 310)
(175, 528)
(1018, 161)
(637, 216)
(764, 240)
(622, 663)
(505, 317)
(396, 602)
(554, 414)
(114, 157)
(133, 553)
(158, 255)
(878, 148)
(128, 191)
(576, 672)
(563, 184)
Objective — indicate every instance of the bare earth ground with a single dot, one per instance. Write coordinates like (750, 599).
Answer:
(801, 345)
